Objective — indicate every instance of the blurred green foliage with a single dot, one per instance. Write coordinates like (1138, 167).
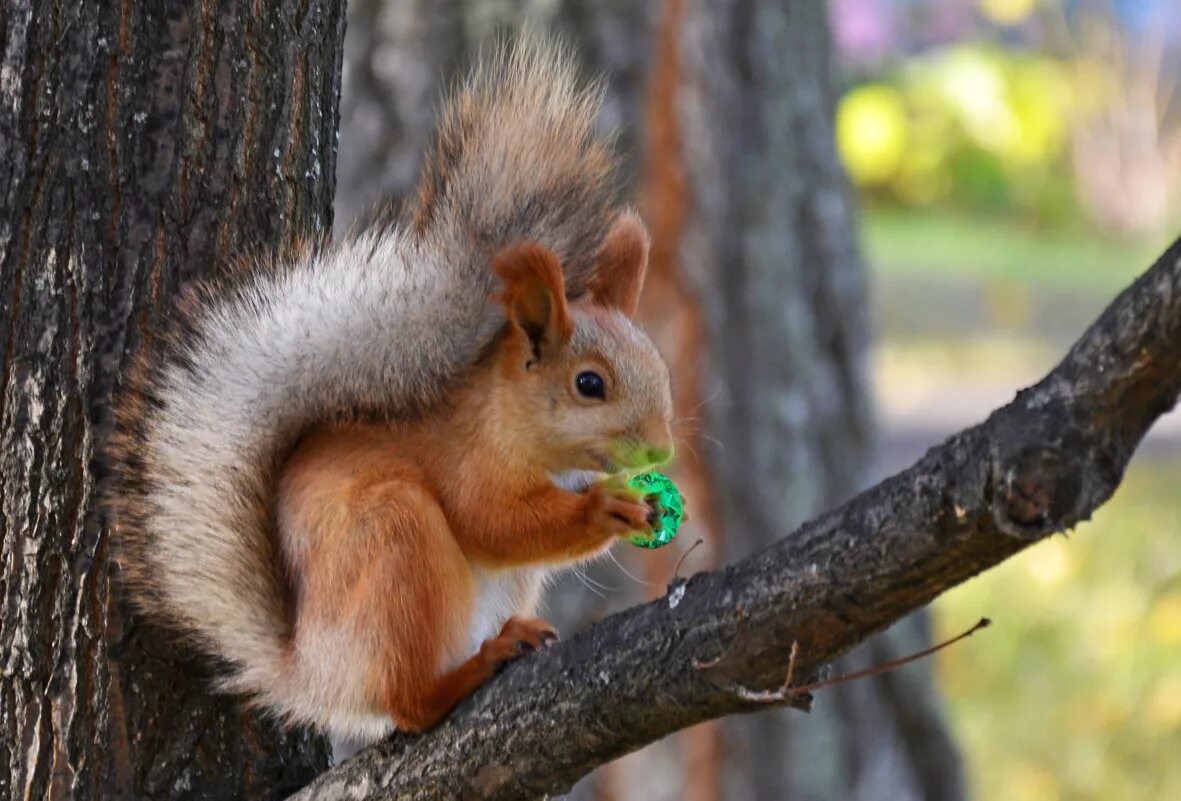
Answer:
(1075, 692)
(969, 124)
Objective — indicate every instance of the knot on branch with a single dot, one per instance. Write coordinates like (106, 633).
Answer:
(1039, 491)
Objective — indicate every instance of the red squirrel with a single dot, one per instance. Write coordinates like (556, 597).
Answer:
(344, 476)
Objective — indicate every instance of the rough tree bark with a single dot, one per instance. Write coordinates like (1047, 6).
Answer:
(140, 144)
(721, 642)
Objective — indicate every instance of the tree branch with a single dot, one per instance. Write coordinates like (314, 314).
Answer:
(1038, 465)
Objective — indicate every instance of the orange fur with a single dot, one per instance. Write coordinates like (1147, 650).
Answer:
(383, 527)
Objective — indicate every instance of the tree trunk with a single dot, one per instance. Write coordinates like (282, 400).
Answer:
(141, 144)
(767, 246)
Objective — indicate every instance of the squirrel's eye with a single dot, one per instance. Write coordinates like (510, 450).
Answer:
(590, 385)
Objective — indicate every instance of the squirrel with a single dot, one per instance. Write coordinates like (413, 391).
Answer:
(347, 477)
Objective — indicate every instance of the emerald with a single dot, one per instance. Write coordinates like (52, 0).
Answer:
(663, 494)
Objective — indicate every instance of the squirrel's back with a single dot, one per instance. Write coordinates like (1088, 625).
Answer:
(380, 325)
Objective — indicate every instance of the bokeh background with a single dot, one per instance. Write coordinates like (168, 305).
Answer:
(874, 221)
(1017, 163)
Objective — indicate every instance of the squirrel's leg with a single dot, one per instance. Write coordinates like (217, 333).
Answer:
(418, 605)
(518, 636)
(384, 593)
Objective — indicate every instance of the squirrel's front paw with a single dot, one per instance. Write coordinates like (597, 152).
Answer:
(618, 510)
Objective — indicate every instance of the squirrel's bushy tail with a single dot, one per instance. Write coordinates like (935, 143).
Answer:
(515, 156)
(380, 325)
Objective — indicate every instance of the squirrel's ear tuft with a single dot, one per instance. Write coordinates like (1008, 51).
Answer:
(623, 260)
(534, 294)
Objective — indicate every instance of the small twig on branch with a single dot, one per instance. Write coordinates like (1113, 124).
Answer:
(786, 691)
(791, 664)
(983, 623)
(685, 555)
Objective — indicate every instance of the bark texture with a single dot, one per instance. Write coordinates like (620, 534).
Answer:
(1037, 466)
(141, 143)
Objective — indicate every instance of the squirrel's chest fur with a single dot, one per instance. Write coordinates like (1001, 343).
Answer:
(502, 593)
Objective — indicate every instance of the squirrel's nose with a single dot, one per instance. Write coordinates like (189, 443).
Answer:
(645, 448)
(660, 455)
(660, 446)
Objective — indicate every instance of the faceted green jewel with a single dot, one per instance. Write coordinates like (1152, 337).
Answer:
(668, 497)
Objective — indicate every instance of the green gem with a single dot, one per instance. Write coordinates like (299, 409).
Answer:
(668, 497)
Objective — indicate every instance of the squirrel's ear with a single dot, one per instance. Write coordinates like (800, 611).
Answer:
(534, 294)
(623, 260)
